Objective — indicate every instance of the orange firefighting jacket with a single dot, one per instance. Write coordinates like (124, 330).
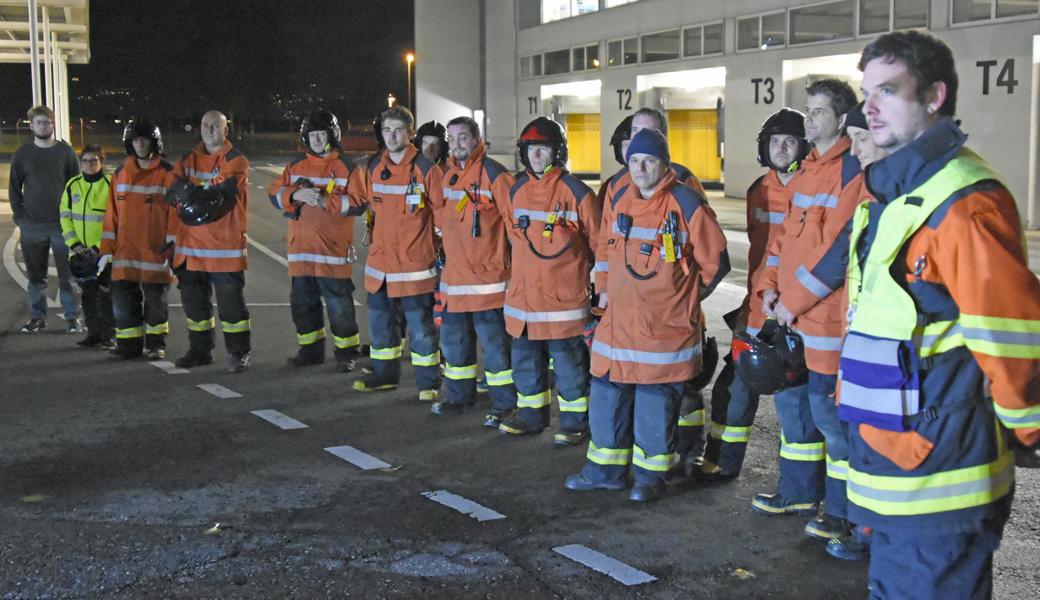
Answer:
(320, 239)
(139, 221)
(768, 202)
(476, 268)
(398, 194)
(548, 296)
(219, 246)
(651, 331)
(820, 207)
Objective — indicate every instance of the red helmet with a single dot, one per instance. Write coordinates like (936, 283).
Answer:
(770, 361)
(546, 132)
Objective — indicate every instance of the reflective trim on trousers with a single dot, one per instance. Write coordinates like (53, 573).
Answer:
(204, 325)
(693, 419)
(730, 433)
(347, 342)
(837, 469)
(810, 452)
(237, 327)
(392, 353)
(426, 360)
(578, 405)
(499, 378)
(533, 401)
(129, 333)
(306, 339)
(609, 456)
(660, 463)
(460, 373)
(159, 329)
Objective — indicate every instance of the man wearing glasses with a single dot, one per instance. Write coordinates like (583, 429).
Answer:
(39, 170)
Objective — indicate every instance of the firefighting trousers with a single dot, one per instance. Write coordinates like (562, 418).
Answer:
(305, 300)
(97, 308)
(689, 436)
(530, 359)
(459, 333)
(801, 447)
(140, 312)
(733, 408)
(836, 437)
(632, 424)
(384, 327)
(197, 290)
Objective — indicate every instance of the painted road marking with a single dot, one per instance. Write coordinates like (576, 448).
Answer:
(357, 458)
(278, 258)
(168, 367)
(464, 506)
(279, 420)
(604, 564)
(218, 390)
(11, 265)
(736, 237)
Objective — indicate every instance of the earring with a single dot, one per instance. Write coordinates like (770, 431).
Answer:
(931, 110)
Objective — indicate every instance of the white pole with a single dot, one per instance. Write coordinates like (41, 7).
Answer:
(63, 81)
(48, 71)
(34, 66)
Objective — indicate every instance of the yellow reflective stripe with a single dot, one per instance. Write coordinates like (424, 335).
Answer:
(459, 373)
(1004, 337)
(158, 329)
(694, 419)
(533, 401)
(811, 452)
(716, 431)
(130, 332)
(552, 364)
(730, 434)
(385, 353)
(936, 338)
(239, 327)
(347, 342)
(579, 405)
(837, 469)
(204, 325)
(305, 339)
(426, 360)
(1018, 418)
(499, 378)
(939, 492)
(608, 456)
(660, 462)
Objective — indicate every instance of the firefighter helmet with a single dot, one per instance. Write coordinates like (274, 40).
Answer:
(321, 120)
(136, 128)
(433, 129)
(785, 121)
(622, 133)
(84, 265)
(546, 132)
(770, 361)
(200, 205)
(710, 360)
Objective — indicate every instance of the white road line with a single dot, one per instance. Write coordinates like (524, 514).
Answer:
(736, 237)
(278, 258)
(218, 390)
(357, 458)
(271, 169)
(604, 564)
(467, 507)
(11, 265)
(168, 367)
(279, 420)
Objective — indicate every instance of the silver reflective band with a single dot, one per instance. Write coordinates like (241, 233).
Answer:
(318, 258)
(603, 267)
(382, 188)
(804, 201)
(871, 351)
(819, 342)
(811, 283)
(139, 264)
(89, 218)
(541, 215)
(374, 272)
(769, 217)
(473, 290)
(1021, 338)
(451, 194)
(412, 275)
(773, 261)
(886, 401)
(171, 238)
(65, 214)
(645, 233)
(320, 180)
(205, 176)
(141, 189)
(203, 253)
(954, 490)
(108, 235)
(546, 317)
(650, 358)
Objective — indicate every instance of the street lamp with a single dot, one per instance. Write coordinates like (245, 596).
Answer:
(390, 100)
(409, 59)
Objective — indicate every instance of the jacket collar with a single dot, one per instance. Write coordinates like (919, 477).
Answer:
(474, 159)
(406, 160)
(547, 179)
(908, 168)
(833, 154)
(224, 149)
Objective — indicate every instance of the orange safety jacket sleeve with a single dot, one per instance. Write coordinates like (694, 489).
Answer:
(709, 249)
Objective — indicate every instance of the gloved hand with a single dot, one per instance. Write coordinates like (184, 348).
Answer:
(80, 249)
(308, 196)
(103, 262)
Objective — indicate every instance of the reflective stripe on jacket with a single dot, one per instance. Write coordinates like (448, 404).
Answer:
(139, 221)
(82, 210)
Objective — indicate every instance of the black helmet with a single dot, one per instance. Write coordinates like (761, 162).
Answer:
(136, 128)
(785, 121)
(321, 120)
(770, 361)
(543, 131)
(710, 360)
(621, 133)
(436, 130)
(200, 205)
(377, 130)
(83, 265)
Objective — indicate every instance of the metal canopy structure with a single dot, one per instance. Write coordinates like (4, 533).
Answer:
(47, 35)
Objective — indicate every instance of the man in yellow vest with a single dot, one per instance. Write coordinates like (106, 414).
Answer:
(941, 361)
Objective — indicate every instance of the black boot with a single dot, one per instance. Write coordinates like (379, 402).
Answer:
(311, 354)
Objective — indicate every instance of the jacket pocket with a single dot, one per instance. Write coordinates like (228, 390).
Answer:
(906, 449)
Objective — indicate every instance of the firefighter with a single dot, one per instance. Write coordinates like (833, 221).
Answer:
(400, 275)
(211, 257)
(310, 194)
(476, 269)
(555, 223)
(781, 148)
(137, 240)
(82, 216)
(431, 139)
(665, 253)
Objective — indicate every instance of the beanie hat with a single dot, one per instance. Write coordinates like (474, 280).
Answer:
(649, 141)
(856, 118)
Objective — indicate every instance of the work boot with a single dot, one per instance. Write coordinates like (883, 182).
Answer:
(193, 359)
(238, 363)
(564, 438)
(492, 420)
(122, 352)
(578, 483)
(775, 504)
(155, 353)
(709, 472)
(482, 386)
(646, 493)
(33, 326)
(75, 325)
(346, 359)
(91, 341)
(428, 395)
(855, 546)
(443, 407)
(311, 354)
(371, 384)
(827, 527)
(516, 426)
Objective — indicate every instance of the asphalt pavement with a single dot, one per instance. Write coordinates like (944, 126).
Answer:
(118, 479)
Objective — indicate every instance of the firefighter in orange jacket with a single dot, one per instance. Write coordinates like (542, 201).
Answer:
(139, 231)
(401, 274)
(555, 223)
(476, 270)
(781, 148)
(212, 256)
(664, 254)
(808, 416)
(431, 139)
(310, 193)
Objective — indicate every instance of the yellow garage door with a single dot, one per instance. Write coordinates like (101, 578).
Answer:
(693, 141)
(583, 142)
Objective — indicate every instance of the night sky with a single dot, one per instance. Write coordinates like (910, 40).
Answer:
(177, 58)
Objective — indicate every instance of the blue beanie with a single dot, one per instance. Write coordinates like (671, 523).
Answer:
(649, 141)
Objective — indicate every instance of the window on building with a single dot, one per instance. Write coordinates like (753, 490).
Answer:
(876, 16)
(531, 66)
(821, 22)
(660, 46)
(691, 41)
(747, 33)
(585, 58)
(774, 30)
(613, 3)
(910, 13)
(623, 52)
(557, 61)
(713, 38)
(965, 11)
(1017, 8)
(761, 31)
(554, 10)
